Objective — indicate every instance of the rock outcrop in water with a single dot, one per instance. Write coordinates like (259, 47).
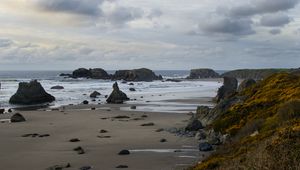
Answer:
(142, 74)
(202, 73)
(117, 96)
(95, 73)
(31, 93)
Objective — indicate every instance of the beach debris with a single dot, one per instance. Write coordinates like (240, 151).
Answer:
(74, 140)
(124, 152)
(79, 150)
(205, 146)
(17, 117)
(117, 96)
(95, 94)
(57, 87)
(35, 135)
(148, 124)
(121, 117)
(102, 136)
(122, 166)
(133, 107)
(31, 93)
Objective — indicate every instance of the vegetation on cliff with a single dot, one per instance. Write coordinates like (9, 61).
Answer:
(264, 127)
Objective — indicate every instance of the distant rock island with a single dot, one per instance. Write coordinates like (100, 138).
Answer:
(142, 74)
(203, 73)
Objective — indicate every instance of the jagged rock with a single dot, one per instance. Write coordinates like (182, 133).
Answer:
(142, 74)
(57, 87)
(174, 80)
(95, 94)
(245, 84)
(81, 72)
(95, 73)
(202, 73)
(117, 96)
(31, 93)
(194, 124)
(17, 118)
(202, 110)
(229, 88)
(205, 146)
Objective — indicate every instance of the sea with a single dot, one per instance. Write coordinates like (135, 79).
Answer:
(154, 96)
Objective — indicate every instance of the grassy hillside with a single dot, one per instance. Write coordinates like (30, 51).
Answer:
(264, 128)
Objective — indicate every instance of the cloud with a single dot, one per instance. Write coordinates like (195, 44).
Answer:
(275, 31)
(80, 7)
(255, 7)
(228, 26)
(5, 43)
(275, 20)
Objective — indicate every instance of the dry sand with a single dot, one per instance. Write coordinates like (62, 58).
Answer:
(28, 153)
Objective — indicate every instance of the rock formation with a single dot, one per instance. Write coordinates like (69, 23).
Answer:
(117, 96)
(31, 93)
(245, 84)
(202, 73)
(229, 87)
(142, 74)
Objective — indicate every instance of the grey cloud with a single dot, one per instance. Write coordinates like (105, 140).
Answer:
(275, 31)
(275, 20)
(123, 15)
(81, 7)
(5, 43)
(228, 26)
(262, 7)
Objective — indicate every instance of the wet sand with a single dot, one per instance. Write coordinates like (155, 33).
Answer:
(38, 153)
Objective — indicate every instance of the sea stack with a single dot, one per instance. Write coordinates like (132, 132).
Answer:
(142, 74)
(31, 93)
(117, 96)
(229, 88)
(203, 73)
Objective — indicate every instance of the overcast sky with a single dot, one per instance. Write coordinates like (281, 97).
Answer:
(158, 34)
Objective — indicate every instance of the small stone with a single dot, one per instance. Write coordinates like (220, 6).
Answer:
(93, 108)
(159, 130)
(163, 140)
(144, 116)
(148, 124)
(124, 152)
(205, 146)
(103, 131)
(85, 168)
(132, 89)
(122, 166)
(133, 107)
(74, 140)
(2, 111)
(85, 102)
(17, 118)
(79, 150)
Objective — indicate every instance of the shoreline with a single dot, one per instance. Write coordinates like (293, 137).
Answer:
(101, 151)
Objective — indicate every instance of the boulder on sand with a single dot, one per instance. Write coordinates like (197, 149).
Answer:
(117, 96)
(194, 124)
(17, 118)
(31, 93)
(95, 94)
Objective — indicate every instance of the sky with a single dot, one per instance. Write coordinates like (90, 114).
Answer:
(157, 34)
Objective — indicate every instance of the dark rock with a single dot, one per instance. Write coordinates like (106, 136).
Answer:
(79, 150)
(159, 130)
(57, 87)
(81, 72)
(194, 125)
(200, 135)
(163, 140)
(124, 82)
(31, 93)
(103, 131)
(202, 73)
(99, 73)
(131, 84)
(104, 136)
(245, 84)
(174, 80)
(59, 167)
(122, 166)
(256, 74)
(144, 116)
(132, 89)
(74, 140)
(228, 89)
(105, 96)
(202, 110)
(132, 107)
(44, 135)
(17, 117)
(93, 108)
(121, 117)
(2, 111)
(124, 152)
(85, 102)
(95, 94)
(148, 124)
(142, 74)
(9, 110)
(65, 75)
(117, 96)
(205, 146)
(85, 168)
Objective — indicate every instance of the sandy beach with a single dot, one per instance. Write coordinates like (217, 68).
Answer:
(101, 149)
